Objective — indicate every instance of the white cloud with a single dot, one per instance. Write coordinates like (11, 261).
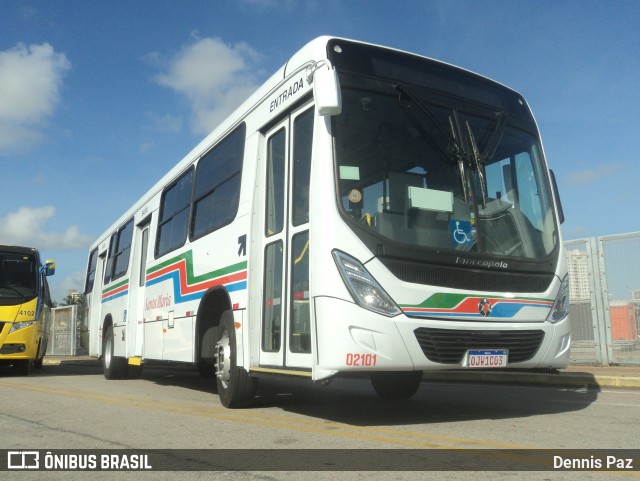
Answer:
(164, 123)
(213, 76)
(27, 226)
(30, 82)
(60, 286)
(593, 174)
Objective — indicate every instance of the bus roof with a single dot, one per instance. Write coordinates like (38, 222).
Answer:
(18, 249)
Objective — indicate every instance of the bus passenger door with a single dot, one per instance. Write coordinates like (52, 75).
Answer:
(285, 330)
(135, 327)
(93, 290)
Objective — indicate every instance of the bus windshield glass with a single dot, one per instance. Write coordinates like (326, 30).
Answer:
(18, 276)
(420, 166)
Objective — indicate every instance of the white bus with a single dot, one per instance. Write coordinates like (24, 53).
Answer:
(365, 212)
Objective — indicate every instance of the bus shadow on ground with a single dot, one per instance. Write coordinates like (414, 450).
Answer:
(355, 402)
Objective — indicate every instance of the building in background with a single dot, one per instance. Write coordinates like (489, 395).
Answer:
(578, 267)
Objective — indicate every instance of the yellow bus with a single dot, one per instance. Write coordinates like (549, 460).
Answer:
(25, 307)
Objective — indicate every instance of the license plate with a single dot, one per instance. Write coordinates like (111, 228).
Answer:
(486, 358)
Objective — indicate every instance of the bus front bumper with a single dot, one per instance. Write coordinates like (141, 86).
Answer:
(352, 339)
(19, 344)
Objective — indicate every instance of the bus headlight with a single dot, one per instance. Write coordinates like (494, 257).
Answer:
(16, 326)
(560, 308)
(363, 287)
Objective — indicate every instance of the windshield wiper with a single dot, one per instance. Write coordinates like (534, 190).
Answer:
(494, 139)
(478, 163)
(480, 158)
(456, 152)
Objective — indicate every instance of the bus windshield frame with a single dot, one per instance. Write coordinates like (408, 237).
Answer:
(437, 163)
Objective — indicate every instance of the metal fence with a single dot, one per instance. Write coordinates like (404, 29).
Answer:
(605, 299)
(64, 339)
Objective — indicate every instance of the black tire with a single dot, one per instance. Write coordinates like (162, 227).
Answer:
(235, 387)
(38, 364)
(396, 385)
(113, 367)
(24, 367)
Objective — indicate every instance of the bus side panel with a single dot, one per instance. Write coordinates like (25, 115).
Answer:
(178, 342)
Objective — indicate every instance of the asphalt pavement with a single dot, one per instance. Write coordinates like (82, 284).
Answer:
(575, 376)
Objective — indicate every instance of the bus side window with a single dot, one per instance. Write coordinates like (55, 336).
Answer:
(217, 185)
(174, 215)
(91, 271)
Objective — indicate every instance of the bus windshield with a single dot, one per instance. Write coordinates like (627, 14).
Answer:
(418, 167)
(18, 276)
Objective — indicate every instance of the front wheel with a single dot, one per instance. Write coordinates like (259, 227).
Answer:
(235, 387)
(24, 367)
(396, 385)
(38, 364)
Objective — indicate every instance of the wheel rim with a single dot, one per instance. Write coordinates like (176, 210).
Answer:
(223, 359)
(107, 353)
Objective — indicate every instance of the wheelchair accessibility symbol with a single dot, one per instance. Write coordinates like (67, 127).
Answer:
(461, 233)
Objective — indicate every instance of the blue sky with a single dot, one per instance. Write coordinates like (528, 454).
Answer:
(98, 99)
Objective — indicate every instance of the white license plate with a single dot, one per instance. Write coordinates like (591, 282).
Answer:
(486, 358)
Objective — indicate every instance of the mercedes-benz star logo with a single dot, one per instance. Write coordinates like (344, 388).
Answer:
(484, 307)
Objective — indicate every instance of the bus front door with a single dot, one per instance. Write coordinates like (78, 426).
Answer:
(285, 331)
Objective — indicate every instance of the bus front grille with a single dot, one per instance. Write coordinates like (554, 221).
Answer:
(448, 346)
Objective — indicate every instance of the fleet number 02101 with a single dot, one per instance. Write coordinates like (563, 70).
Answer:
(364, 360)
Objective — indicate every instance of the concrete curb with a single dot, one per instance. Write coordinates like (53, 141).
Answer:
(85, 361)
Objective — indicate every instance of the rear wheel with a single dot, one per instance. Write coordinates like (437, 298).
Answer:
(113, 367)
(396, 385)
(235, 387)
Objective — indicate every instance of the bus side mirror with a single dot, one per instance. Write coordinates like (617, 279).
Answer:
(49, 268)
(326, 91)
